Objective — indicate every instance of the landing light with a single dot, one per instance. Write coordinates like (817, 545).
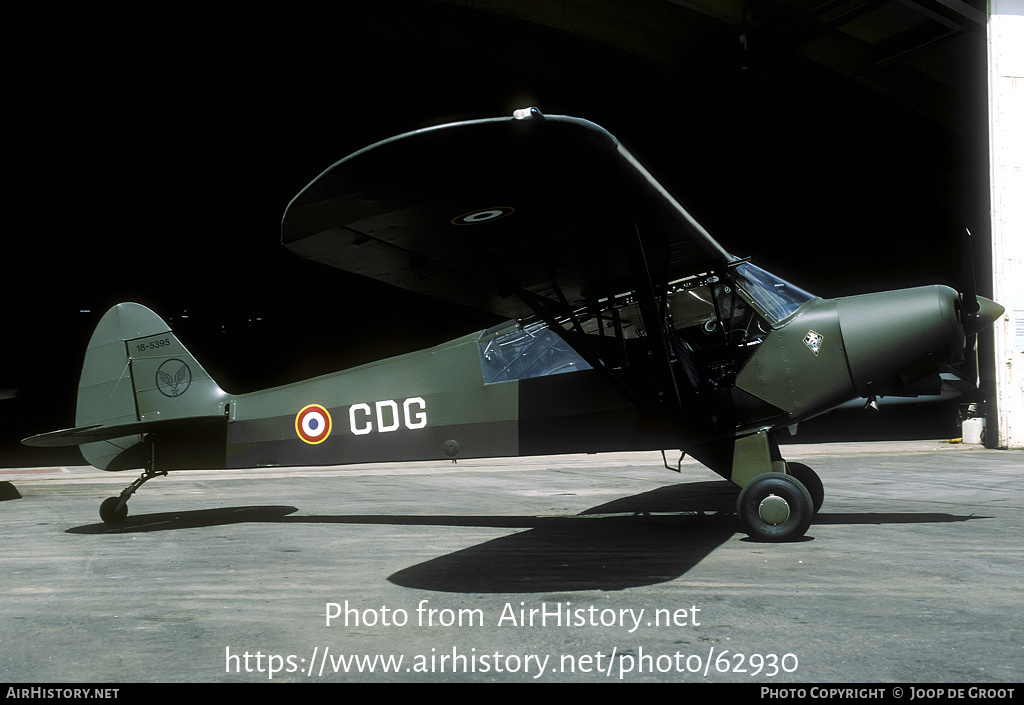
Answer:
(526, 113)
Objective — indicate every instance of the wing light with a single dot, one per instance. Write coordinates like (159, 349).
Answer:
(527, 113)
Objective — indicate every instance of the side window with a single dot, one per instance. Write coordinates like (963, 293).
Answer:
(510, 352)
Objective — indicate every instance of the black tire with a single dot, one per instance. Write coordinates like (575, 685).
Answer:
(810, 480)
(774, 485)
(109, 513)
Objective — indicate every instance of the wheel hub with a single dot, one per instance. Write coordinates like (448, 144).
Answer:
(773, 509)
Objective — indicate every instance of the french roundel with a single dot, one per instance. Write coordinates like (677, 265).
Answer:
(313, 424)
(483, 216)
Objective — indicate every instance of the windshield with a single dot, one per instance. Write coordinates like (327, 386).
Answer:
(775, 297)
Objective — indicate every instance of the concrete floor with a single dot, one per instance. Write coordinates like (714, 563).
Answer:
(911, 573)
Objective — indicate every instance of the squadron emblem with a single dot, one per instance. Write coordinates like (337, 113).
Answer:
(813, 341)
(173, 378)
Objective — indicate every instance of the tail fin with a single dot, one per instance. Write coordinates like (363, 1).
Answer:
(137, 373)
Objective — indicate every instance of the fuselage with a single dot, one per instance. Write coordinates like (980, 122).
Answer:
(518, 390)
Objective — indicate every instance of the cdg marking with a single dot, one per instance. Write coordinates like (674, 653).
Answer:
(384, 416)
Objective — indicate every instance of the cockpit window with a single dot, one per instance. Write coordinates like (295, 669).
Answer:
(511, 351)
(775, 297)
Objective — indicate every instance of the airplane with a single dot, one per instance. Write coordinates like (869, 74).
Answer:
(628, 328)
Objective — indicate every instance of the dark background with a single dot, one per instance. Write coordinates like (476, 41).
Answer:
(156, 149)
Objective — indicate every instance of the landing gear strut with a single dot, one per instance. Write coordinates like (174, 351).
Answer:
(114, 510)
(778, 499)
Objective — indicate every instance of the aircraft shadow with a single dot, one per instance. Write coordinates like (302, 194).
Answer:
(642, 539)
(581, 553)
(201, 518)
(824, 518)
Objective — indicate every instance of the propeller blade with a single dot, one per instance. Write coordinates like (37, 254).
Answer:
(977, 312)
(968, 286)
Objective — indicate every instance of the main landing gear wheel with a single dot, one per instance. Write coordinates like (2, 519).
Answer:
(775, 507)
(810, 480)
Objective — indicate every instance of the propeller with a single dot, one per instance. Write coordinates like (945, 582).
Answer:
(977, 312)
(968, 285)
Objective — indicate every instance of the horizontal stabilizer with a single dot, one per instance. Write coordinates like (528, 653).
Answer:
(99, 432)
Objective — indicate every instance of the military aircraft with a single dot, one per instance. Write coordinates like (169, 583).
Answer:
(629, 328)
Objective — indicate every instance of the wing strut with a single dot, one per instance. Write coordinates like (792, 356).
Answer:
(653, 315)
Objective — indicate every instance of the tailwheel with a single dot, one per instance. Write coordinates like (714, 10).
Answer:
(113, 510)
(775, 507)
(810, 480)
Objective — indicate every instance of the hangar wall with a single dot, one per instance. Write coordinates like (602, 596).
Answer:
(1006, 152)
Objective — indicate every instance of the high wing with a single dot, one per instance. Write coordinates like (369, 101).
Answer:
(511, 215)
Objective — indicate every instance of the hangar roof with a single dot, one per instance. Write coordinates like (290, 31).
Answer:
(914, 51)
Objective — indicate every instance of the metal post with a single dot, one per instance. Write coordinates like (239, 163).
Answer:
(1006, 149)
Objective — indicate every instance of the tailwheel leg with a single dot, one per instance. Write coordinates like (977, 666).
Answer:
(114, 510)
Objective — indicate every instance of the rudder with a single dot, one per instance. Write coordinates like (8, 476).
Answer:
(136, 370)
